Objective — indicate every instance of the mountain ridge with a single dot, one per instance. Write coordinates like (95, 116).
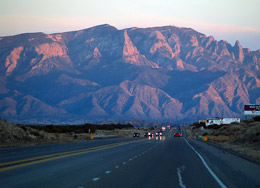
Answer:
(156, 73)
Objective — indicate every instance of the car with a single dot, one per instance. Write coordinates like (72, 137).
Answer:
(159, 133)
(136, 135)
(177, 134)
(148, 134)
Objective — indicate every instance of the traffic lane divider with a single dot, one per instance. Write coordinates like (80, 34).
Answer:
(25, 162)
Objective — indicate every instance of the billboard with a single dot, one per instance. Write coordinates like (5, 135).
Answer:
(251, 110)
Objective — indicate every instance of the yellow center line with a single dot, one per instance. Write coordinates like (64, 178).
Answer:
(47, 156)
(40, 159)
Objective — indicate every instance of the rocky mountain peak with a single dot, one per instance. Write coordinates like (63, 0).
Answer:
(238, 51)
(129, 48)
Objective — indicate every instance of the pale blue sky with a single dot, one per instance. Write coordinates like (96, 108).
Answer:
(224, 19)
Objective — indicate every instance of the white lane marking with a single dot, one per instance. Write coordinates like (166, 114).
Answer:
(95, 179)
(108, 172)
(135, 156)
(124, 163)
(222, 185)
(179, 171)
(130, 159)
(116, 166)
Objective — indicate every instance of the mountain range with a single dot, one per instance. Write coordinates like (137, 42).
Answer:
(99, 73)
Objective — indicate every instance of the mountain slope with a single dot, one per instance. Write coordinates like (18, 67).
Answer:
(160, 73)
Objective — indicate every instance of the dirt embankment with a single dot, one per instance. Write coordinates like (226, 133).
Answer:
(242, 138)
(12, 135)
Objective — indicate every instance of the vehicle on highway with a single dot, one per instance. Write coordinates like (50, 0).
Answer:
(159, 133)
(177, 134)
(148, 134)
(136, 135)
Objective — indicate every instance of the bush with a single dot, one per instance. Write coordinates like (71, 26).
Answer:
(78, 128)
(198, 125)
(256, 118)
(215, 126)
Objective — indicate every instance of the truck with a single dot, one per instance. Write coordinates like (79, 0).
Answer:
(222, 121)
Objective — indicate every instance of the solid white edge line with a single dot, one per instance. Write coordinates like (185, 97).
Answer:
(222, 185)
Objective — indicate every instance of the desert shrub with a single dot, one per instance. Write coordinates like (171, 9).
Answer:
(35, 133)
(198, 125)
(214, 126)
(256, 118)
(252, 134)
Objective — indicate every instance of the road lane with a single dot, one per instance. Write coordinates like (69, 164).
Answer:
(165, 162)
(69, 171)
(171, 164)
(29, 161)
(19, 153)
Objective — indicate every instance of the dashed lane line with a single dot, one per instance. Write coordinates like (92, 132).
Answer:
(96, 179)
(179, 172)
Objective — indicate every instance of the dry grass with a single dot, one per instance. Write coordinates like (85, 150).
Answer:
(243, 138)
(12, 135)
(220, 138)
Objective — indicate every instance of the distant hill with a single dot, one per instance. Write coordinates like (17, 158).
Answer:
(156, 74)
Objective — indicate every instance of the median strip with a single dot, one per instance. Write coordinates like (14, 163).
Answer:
(45, 158)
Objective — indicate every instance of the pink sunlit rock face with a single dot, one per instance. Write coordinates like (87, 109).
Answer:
(11, 60)
(158, 73)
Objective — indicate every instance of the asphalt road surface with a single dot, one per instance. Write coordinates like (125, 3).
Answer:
(126, 163)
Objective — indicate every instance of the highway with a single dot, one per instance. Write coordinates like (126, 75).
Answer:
(126, 163)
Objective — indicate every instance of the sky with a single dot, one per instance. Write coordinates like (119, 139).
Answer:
(228, 20)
